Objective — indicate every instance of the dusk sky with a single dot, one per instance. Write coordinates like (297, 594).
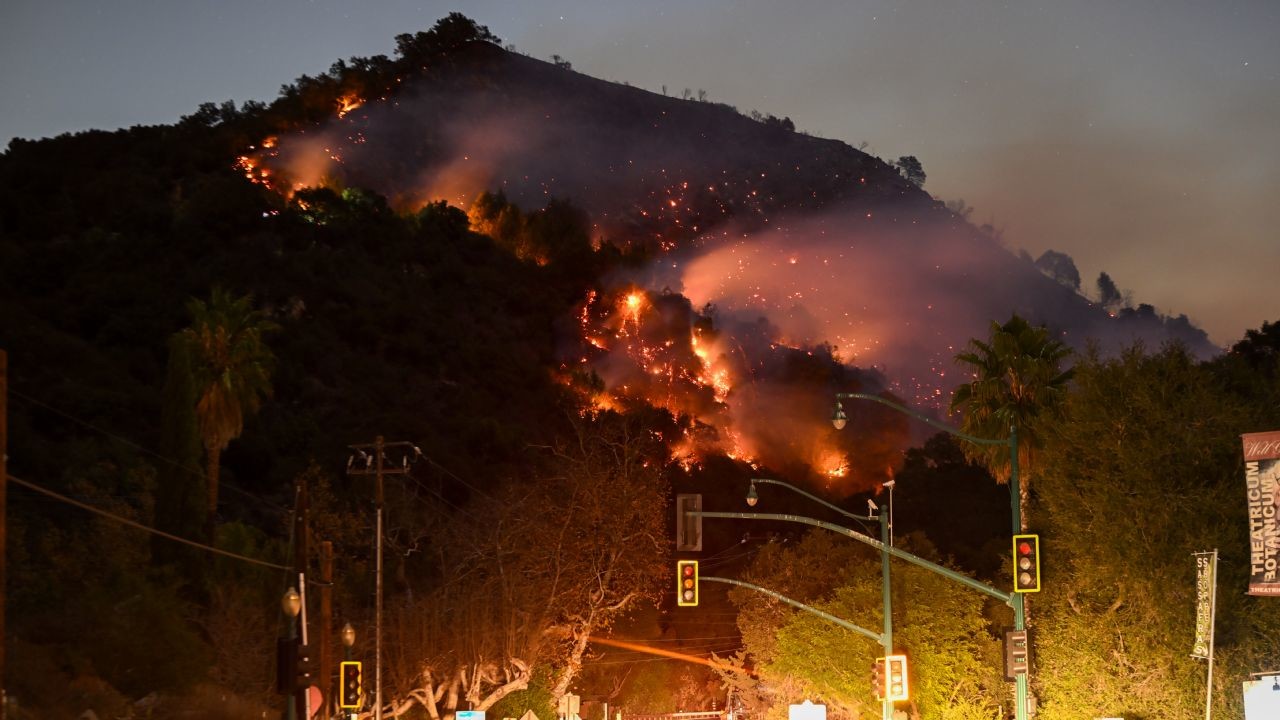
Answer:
(1141, 138)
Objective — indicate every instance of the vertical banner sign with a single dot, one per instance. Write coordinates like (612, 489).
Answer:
(1262, 485)
(1204, 605)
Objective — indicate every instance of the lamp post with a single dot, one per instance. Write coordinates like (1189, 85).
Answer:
(839, 419)
(886, 637)
(291, 604)
(348, 640)
(889, 484)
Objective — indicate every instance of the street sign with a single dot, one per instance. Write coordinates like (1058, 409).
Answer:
(807, 711)
(469, 715)
(569, 705)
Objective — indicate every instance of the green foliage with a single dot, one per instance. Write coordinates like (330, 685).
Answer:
(231, 367)
(556, 234)
(1017, 382)
(537, 697)
(957, 504)
(1144, 473)
(89, 614)
(954, 659)
(180, 498)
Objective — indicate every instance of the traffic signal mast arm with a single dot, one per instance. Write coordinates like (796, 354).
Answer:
(799, 605)
(981, 587)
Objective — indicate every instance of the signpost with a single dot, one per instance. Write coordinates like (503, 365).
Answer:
(1262, 697)
(807, 711)
(567, 709)
(1206, 605)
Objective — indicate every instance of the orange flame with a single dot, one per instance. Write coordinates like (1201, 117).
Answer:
(347, 103)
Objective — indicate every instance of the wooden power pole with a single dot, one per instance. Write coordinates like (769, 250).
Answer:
(326, 629)
(4, 509)
(374, 464)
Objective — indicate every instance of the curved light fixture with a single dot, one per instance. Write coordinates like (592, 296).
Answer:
(838, 418)
(291, 603)
(752, 497)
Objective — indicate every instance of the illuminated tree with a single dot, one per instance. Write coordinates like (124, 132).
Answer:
(232, 367)
(1017, 381)
(940, 624)
(532, 571)
(1146, 472)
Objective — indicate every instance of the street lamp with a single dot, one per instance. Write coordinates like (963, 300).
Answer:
(348, 639)
(889, 484)
(886, 637)
(291, 604)
(839, 419)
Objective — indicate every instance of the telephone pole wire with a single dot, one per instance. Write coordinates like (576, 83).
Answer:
(374, 464)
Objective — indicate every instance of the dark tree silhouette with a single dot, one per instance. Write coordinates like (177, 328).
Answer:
(911, 169)
(1060, 267)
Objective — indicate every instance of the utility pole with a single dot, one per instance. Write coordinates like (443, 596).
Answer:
(4, 509)
(375, 465)
(300, 524)
(326, 627)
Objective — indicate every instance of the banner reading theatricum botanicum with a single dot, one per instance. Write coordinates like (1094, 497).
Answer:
(1262, 482)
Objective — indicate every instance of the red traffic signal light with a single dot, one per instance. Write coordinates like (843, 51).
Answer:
(1026, 563)
(896, 678)
(686, 583)
(350, 694)
(877, 678)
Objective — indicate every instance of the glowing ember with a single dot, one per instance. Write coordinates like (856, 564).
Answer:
(347, 103)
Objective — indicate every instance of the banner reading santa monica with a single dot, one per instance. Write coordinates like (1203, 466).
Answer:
(1262, 484)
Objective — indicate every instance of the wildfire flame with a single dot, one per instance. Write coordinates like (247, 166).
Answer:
(347, 103)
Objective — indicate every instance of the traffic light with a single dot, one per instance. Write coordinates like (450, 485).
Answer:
(896, 678)
(308, 670)
(877, 678)
(686, 583)
(286, 665)
(688, 522)
(1026, 563)
(1017, 654)
(351, 689)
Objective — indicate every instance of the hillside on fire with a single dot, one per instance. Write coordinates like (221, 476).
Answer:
(562, 301)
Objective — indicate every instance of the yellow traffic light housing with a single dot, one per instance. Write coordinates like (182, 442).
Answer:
(1026, 563)
(895, 680)
(350, 694)
(687, 583)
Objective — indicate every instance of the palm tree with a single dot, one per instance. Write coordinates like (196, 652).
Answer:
(232, 369)
(1017, 382)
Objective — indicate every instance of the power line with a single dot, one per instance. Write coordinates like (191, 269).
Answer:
(454, 475)
(140, 526)
(140, 448)
(708, 637)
